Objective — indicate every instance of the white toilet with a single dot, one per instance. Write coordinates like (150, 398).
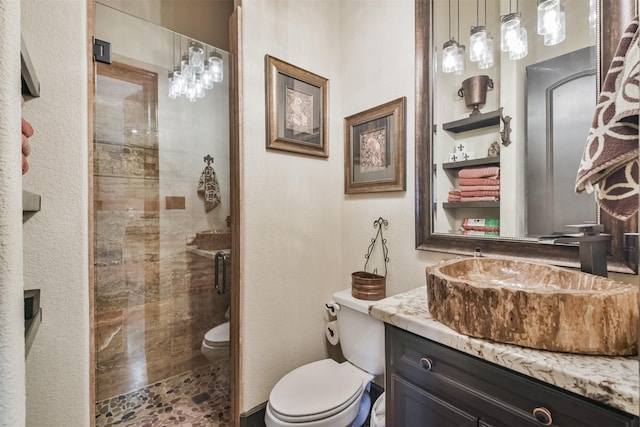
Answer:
(215, 345)
(326, 393)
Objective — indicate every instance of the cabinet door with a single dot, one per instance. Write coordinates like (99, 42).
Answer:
(413, 406)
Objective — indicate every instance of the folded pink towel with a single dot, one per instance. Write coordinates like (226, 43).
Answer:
(454, 192)
(479, 181)
(610, 159)
(492, 172)
(480, 199)
(453, 198)
(480, 193)
(479, 188)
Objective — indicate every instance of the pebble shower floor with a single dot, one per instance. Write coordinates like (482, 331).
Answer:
(196, 398)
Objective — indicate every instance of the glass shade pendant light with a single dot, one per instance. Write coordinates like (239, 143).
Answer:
(557, 36)
(551, 21)
(548, 16)
(196, 57)
(478, 37)
(449, 56)
(521, 46)
(477, 43)
(509, 31)
(216, 66)
(452, 51)
(487, 59)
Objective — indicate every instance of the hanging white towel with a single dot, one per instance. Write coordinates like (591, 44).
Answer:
(209, 188)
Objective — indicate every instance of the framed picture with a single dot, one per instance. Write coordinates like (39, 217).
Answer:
(296, 109)
(375, 149)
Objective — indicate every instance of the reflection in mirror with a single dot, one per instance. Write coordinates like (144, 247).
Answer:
(508, 115)
(526, 190)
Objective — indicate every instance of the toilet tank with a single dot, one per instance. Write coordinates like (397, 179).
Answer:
(361, 336)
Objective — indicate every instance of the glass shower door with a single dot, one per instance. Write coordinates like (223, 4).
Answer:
(161, 190)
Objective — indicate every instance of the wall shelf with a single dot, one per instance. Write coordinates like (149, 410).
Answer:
(462, 205)
(30, 83)
(478, 121)
(486, 161)
(32, 317)
(31, 202)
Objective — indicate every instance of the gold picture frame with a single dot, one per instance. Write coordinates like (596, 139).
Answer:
(375, 152)
(296, 109)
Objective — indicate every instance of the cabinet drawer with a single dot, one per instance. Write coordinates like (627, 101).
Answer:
(501, 396)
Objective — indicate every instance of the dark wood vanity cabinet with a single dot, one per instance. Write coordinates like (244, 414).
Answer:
(429, 384)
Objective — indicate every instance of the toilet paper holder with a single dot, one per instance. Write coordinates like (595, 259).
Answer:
(331, 331)
(332, 307)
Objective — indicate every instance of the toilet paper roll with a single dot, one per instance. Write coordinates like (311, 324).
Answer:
(331, 331)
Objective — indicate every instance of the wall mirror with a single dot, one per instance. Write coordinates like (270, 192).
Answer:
(535, 106)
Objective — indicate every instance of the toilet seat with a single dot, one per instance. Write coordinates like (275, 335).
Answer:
(315, 391)
(218, 336)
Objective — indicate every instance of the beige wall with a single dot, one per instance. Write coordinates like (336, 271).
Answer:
(56, 238)
(302, 237)
(12, 365)
(291, 204)
(204, 20)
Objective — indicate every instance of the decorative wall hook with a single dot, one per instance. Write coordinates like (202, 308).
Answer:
(505, 134)
(379, 223)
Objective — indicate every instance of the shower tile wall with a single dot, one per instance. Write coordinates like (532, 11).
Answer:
(153, 306)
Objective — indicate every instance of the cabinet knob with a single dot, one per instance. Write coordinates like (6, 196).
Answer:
(426, 363)
(543, 415)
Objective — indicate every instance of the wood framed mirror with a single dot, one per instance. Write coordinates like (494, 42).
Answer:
(617, 14)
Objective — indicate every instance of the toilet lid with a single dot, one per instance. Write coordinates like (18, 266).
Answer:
(314, 391)
(218, 335)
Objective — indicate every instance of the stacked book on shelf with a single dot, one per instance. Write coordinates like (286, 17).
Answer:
(481, 227)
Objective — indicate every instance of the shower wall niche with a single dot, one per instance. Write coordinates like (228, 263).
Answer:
(154, 295)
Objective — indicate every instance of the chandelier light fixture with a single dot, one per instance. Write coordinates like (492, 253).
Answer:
(453, 52)
(195, 73)
(551, 22)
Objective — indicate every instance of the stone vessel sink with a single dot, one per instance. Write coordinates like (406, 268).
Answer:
(534, 305)
(213, 239)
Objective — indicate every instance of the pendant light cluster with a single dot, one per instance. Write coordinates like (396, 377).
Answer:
(513, 35)
(195, 72)
(551, 26)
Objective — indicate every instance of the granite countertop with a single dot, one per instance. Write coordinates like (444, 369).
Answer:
(207, 253)
(613, 381)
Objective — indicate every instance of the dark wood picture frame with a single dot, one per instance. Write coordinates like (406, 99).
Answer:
(297, 116)
(375, 149)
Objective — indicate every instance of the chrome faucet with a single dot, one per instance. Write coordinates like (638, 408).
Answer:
(593, 247)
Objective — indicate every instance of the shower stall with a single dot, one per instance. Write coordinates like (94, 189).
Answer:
(161, 215)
